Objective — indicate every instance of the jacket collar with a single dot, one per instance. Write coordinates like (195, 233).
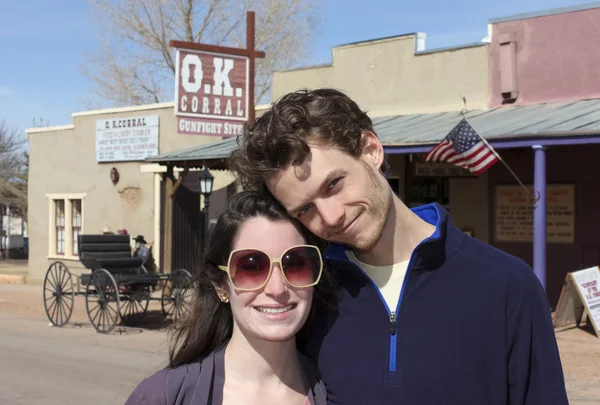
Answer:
(433, 251)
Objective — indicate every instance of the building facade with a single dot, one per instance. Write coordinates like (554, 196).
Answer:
(90, 177)
(531, 89)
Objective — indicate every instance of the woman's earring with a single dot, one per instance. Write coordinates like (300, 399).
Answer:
(224, 298)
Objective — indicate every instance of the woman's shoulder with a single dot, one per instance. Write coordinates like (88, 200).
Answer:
(162, 387)
(318, 390)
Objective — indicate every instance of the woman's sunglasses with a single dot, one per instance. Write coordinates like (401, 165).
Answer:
(251, 269)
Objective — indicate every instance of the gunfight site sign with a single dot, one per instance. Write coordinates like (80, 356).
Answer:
(211, 93)
(126, 139)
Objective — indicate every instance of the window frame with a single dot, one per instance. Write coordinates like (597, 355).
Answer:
(69, 227)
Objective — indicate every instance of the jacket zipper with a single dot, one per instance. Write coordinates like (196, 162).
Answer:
(392, 318)
(392, 341)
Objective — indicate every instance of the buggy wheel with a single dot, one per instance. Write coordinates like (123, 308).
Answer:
(102, 301)
(176, 295)
(59, 294)
(134, 304)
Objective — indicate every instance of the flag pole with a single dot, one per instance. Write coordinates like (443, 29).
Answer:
(535, 199)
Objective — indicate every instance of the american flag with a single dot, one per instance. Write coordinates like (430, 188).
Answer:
(464, 147)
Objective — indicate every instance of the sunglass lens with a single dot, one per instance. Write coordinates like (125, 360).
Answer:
(249, 268)
(302, 265)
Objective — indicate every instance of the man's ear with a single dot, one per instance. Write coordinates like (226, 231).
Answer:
(372, 150)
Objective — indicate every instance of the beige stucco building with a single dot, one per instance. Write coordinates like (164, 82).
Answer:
(71, 191)
(397, 75)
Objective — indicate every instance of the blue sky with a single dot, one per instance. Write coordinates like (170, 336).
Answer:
(43, 44)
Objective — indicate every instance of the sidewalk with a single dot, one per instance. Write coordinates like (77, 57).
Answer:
(14, 271)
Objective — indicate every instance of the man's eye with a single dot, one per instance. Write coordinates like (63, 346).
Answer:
(305, 209)
(335, 182)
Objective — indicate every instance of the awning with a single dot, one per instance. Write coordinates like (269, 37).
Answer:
(416, 133)
(213, 155)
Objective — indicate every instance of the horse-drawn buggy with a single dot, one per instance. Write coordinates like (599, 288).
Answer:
(118, 288)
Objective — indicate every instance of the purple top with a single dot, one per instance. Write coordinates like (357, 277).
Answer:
(201, 383)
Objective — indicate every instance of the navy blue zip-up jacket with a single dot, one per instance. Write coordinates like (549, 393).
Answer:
(472, 326)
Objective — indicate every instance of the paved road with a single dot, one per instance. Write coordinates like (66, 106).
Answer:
(46, 365)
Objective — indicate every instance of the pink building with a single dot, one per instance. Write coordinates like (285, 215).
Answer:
(549, 63)
(545, 57)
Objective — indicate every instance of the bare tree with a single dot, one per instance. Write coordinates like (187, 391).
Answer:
(11, 141)
(135, 64)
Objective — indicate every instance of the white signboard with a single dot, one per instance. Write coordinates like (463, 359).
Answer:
(581, 293)
(126, 139)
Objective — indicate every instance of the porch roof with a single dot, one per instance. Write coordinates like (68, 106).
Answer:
(572, 122)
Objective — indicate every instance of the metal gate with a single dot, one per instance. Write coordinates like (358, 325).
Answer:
(188, 226)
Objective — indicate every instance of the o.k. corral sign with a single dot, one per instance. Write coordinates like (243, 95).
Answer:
(126, 139)
(211, 93)
(214, 86)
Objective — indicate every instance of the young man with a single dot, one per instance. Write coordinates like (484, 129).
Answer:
(428, 315)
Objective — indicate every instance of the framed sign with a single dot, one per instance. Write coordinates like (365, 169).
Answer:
(126, 139)
(211, 93)
(514, 214)
(437, 169)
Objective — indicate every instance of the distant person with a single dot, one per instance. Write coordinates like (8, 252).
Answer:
(141, 249)
(256, 289)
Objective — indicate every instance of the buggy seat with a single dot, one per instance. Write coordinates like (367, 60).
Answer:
(110, 252)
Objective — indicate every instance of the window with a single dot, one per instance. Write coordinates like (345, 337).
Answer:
(75, 224)
(65, 224)
(60, 227)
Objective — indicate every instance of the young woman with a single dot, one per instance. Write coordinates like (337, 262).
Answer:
(262, 273)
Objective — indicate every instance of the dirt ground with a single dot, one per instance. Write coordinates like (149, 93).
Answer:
(579, 348)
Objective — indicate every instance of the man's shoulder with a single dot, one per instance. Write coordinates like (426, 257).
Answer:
(512, 271)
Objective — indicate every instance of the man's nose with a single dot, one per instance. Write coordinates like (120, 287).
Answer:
(331, 212)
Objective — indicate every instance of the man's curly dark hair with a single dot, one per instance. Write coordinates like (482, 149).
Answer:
(279, 138)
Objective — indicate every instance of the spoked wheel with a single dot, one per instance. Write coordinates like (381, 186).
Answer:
(102, 301)
(59, 295)
(134, 304)
(176, 295)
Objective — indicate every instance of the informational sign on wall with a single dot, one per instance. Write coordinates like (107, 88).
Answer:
(514, 214)
(428, 169)
(126, 139)
(580, 295)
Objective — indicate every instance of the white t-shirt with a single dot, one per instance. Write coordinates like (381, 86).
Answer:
(388, 279)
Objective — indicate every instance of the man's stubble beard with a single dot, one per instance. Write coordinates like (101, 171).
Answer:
(379, 209)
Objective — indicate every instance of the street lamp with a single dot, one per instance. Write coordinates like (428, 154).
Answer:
(206, 184)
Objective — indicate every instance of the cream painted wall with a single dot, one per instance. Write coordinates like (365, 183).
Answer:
(386, 77)
(469, 205)
(63, 161)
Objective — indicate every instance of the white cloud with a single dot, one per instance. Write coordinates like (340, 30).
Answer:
(4, 91)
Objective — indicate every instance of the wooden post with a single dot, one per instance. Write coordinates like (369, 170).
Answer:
(250, 52)
(168, 222)
(250, 45)
(408, 175)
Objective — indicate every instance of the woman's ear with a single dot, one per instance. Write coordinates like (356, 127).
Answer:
(222, 292)
(372, 151)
